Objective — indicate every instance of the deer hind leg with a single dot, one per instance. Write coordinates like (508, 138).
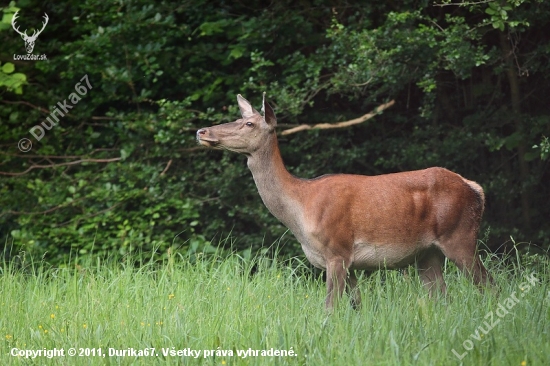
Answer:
(474, 268)
(337, 270)
(353, 290)
(429, 269)
(462, 252)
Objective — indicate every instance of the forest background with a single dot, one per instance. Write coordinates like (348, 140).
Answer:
(121, 173)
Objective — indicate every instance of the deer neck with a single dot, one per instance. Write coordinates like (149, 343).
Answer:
(279, 190)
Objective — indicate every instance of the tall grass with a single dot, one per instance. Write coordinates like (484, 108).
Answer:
(230, 304)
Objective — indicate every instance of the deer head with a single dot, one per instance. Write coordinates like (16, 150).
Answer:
(29, 40)
(246, 135)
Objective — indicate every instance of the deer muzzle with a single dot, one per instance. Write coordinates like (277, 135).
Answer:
(205, 138)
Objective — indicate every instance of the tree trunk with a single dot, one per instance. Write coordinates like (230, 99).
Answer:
(515, 94)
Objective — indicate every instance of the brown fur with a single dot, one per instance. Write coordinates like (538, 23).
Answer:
(347, 222)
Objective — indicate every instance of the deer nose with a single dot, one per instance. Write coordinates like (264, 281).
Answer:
(202, 131)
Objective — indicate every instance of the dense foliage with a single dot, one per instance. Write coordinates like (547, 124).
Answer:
(121, 172)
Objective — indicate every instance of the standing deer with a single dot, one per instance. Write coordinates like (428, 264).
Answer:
(346, 222)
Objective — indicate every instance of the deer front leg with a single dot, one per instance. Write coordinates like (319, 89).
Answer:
(430, 272)
(336, 281)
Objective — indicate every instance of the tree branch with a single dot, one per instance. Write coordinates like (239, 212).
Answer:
(46, 111)
(64, 204)
(464, 3)
(60, 164)
(30, 156)
(351, 122)
(43, 110)
(167, 167)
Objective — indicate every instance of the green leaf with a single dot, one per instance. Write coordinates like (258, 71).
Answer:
(8, 68)
(513, 141)
(6, 18)
(236, 53)
(504, 14)
(19, 77)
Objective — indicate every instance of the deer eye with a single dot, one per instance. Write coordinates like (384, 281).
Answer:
(249, 124)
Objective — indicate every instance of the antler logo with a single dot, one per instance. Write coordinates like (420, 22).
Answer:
(29, 40)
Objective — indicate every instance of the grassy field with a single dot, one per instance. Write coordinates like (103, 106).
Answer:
(228, 311)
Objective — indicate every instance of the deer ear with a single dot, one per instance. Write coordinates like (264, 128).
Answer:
(246, 108)
(269, 115)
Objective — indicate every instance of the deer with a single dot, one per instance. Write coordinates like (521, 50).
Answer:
(29, 40)
(347, 222)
